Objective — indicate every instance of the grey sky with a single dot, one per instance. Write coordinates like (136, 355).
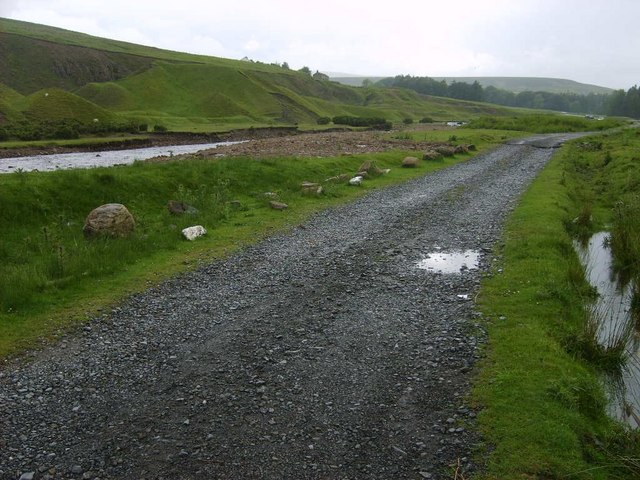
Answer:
(592, 42)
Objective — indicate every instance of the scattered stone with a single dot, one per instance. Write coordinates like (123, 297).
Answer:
(338, 178)
(76, 470)
(191, 233)
(431, 155)
(471, 147)
(180, 208)
(370, 169)
(27, 476)
(236, 204)
(278, 205)
(309, 188)
(111, 219)
(410, 162)
(356, 181)
(460, 149)
(445, 150)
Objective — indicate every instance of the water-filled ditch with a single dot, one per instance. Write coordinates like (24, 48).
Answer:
(616, 322)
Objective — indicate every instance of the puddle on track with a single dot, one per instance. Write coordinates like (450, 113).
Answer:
(612, 309)
(450, 262)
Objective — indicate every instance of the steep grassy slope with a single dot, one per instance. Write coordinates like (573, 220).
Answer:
(56, 104)
(28, 64)
(106, 79)
(11, 104)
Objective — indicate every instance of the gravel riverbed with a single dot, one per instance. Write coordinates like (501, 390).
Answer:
(321, 353)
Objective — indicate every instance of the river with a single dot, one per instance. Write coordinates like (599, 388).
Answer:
(106, 158)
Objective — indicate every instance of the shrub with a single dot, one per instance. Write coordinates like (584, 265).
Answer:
(159, 128)
(377, 122)
(407, 121)
(426, 120)
(323, 120)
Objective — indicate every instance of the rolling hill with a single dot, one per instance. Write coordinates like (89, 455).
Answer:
(511, 84)
(48, 73)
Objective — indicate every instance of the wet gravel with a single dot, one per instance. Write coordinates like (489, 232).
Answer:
(322, 353)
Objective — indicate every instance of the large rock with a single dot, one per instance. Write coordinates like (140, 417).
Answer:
(111, 219)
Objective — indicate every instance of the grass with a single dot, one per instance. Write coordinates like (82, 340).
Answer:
(51, 277)
(76, 142)
(184, 92)
(544, 408)
(545, 123)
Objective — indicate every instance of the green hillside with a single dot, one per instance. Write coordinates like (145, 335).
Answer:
(55, 104)
(89, 78)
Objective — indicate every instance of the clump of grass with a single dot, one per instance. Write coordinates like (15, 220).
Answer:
(625, 237)
(581, 226)
(607, 350)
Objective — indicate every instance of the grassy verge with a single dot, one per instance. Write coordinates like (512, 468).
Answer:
(76, 142)
(51, 277)
(544, 404)
(546, 123)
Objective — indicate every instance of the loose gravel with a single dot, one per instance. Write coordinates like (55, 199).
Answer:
(324, 353)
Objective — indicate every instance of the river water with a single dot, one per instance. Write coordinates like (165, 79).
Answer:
(107, 158)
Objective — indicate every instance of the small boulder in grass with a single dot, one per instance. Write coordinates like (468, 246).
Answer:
(180, 208)
(356, 181)
(460, 149)
(445, 150)
(191, 233)
(369, 169)
(431, 155)
(312, 189)
(343, 177)
(278, 205)
(410, 162)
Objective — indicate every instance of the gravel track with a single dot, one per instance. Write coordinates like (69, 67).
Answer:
(321, 353)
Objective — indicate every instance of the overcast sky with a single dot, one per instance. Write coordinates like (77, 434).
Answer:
(592, 41)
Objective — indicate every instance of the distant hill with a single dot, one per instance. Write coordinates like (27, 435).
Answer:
(512, 84)
(48, 73)
(532, 84)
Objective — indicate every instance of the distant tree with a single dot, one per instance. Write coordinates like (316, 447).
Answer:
(285, 65)
(306, 70)
(367, 82)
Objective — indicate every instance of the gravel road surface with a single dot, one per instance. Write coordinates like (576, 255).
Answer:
(324, 353)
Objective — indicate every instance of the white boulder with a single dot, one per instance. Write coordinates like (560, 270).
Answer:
(191, 233)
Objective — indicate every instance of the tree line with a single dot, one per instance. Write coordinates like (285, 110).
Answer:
(617, 103)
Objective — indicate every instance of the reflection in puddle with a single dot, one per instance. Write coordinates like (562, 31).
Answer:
(450, 262)
(612, 312)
